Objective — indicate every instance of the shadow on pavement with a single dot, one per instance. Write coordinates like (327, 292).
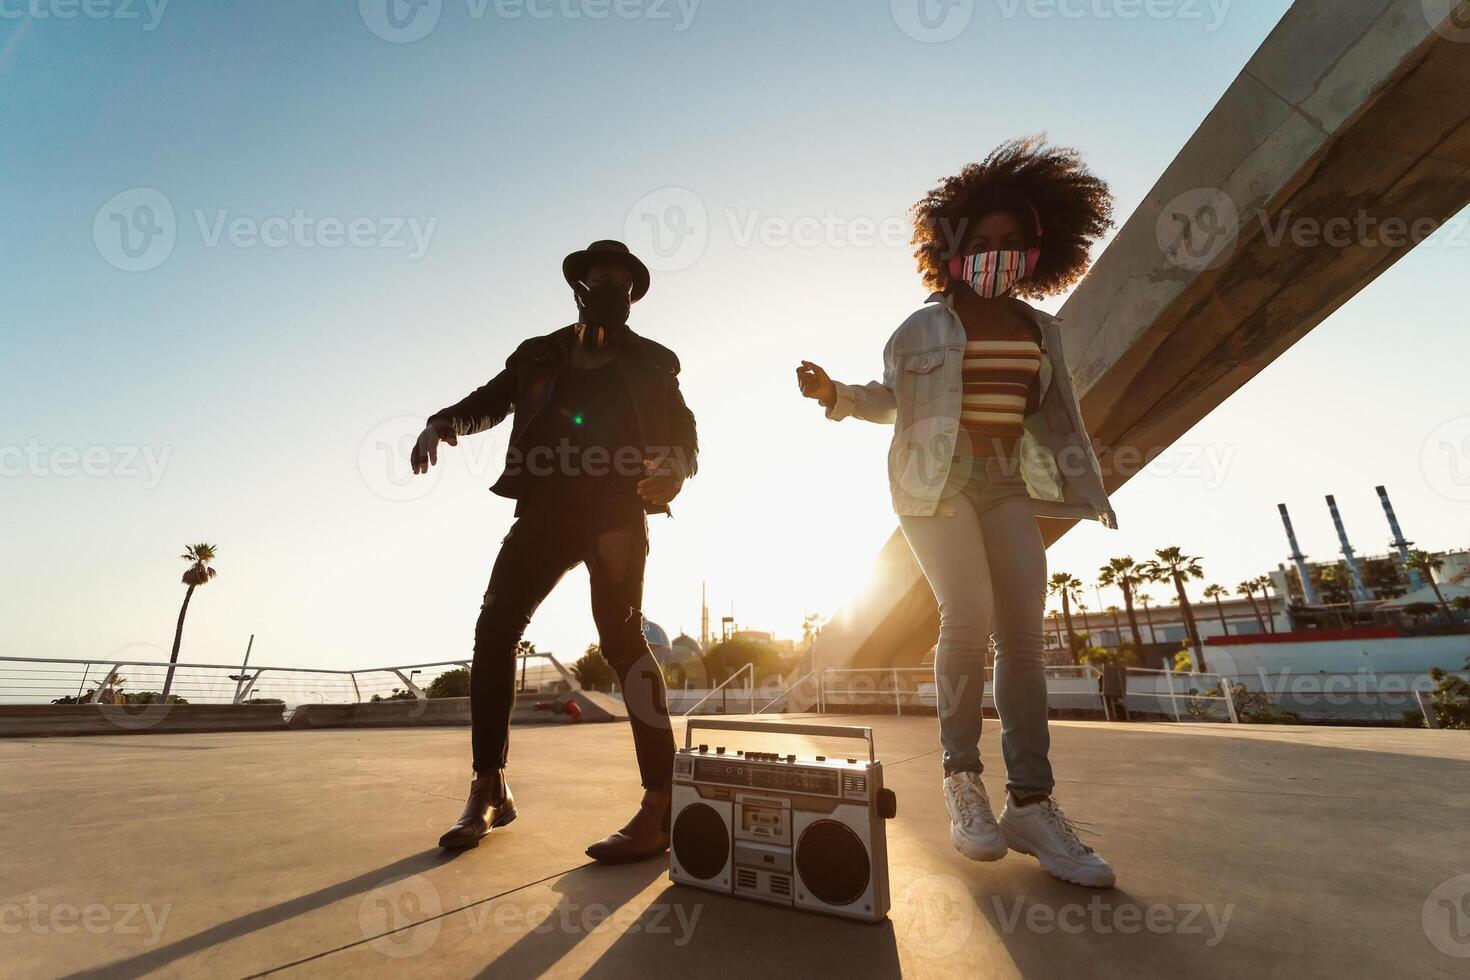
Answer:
(591, 897)
(244, 925)
(703, 933)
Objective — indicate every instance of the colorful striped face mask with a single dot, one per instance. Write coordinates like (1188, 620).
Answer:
(993, 274)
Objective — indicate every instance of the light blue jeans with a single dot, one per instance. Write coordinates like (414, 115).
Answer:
(984, 558)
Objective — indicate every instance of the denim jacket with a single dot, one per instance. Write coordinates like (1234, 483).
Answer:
(920, 396)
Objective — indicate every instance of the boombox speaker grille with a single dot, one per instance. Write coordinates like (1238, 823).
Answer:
(701, 841)
(833, 863)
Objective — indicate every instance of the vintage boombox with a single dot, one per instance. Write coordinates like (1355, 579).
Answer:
(802, 832)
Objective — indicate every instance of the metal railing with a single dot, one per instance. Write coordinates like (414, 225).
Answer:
(1175, 695)
(800, 681)
(1183, 689)
(747, 670)
(1068, 686)
(37, 680)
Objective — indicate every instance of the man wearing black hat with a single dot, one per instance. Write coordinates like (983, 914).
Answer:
(600, 438)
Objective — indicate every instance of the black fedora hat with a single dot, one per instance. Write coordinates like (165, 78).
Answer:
(574, 266)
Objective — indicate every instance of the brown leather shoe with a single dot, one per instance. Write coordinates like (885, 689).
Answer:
(490, 805)
(645, 836)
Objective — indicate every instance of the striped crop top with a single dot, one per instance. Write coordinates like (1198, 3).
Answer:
(1001, 380)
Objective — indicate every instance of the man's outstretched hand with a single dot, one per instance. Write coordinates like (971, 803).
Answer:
(664, 480)
(814, 383)
(426, 450)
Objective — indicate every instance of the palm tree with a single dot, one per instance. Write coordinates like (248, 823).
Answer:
(1145, 600)
(198, 573)
(1429, 566)
(1216, 592)
(1068, 586)
(1462, 604)
(1263, 582)
(1339, 581)
(1125, 574)
(1173, 565)
(1248, 589)
(1417, 611)
(1117, 626)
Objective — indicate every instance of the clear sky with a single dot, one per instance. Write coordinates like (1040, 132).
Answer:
(334, 229)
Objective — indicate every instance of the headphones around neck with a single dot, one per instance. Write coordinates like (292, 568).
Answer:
(1033, 254)
(598, 339)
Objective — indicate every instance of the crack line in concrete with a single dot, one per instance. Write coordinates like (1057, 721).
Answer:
(415, 925)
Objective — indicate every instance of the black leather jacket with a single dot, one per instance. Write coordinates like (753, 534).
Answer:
(651, 371)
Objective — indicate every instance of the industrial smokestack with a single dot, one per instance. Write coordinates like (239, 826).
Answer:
(1308, 592)
(1415, 581)
(1359, 591)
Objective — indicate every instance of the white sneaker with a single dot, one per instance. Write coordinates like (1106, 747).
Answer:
(1044, 831)
(972, 826)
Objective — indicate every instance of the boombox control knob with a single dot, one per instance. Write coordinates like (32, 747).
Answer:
(821, 758)
(887, 804)
(791, 758)
(719, 750)
(704, 748)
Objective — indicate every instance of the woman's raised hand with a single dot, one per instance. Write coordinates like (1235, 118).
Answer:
(814, 383)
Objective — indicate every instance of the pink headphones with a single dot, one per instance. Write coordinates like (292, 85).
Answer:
(1033, 254)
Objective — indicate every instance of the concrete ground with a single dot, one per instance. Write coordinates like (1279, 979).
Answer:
(1241, 851)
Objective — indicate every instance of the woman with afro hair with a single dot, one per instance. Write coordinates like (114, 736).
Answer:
(988, 438)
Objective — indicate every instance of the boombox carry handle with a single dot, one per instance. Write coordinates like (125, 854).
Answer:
(781, 728)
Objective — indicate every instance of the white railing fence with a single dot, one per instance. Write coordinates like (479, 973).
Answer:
(32, 680)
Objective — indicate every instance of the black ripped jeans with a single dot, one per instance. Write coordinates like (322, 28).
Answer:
(542, 546)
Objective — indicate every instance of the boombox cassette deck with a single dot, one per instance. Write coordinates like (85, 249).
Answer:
(805, 832)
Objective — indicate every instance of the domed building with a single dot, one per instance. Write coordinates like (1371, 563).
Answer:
(682, 652)
(658, 641)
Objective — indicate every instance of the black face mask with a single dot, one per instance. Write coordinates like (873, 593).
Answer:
(602, 313)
